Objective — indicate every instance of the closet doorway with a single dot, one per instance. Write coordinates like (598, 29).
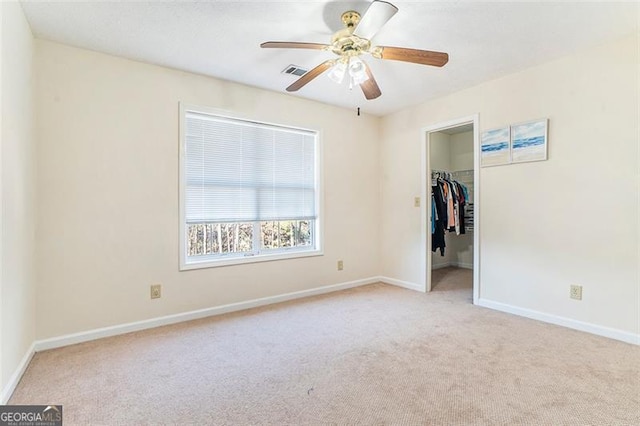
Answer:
(450, 231)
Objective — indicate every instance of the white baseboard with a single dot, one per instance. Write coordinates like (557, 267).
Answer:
(403, 284)
(17, 375)
(599, 330)
(85, 336)
(440, 265)
(452, 264)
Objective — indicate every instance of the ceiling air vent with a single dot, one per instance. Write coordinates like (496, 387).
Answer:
(295, 70)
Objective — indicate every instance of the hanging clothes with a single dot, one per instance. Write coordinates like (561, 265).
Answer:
(448, 201)
(434, 215)
(440, 219)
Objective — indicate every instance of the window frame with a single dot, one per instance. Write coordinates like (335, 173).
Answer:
(212, 261)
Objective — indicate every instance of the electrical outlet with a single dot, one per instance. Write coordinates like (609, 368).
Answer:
(575, 292)
(340, 265)
(416, 202)
(156, 291)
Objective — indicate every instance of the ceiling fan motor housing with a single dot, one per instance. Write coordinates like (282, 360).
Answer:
(344, 42)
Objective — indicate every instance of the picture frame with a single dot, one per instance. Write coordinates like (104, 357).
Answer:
(495, 147)
(529, 141)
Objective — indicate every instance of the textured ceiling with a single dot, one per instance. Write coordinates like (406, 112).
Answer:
(221, 39)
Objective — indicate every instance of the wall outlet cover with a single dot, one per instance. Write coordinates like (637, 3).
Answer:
(156, 291)
(575, 292)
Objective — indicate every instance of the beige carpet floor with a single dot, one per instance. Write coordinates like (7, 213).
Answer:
(371, 355)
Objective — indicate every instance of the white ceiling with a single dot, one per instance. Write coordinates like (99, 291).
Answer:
(221, 39)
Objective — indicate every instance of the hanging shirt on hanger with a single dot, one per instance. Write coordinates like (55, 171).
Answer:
(439, 218)
(434, 215)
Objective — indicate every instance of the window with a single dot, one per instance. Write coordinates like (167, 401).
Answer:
(248, 190)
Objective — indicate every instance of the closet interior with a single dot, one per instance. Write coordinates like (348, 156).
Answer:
(452, 209)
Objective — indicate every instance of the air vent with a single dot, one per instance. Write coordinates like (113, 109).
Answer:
(295, 70)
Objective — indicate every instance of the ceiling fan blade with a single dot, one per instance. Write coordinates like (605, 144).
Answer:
(293, 45)
(310, 75)
(370, 87)
(424, 57)
(378, 13)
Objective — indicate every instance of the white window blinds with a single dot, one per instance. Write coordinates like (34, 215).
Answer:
(240, 171)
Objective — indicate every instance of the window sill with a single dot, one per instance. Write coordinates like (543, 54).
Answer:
(241, 260)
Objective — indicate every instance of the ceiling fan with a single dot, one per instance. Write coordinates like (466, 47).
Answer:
(354, 40)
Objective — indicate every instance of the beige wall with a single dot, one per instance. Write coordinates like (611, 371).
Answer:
(462, 159)
(17, 182)
(440, 151)
(570, 220)
(108, 178)
(462, 151)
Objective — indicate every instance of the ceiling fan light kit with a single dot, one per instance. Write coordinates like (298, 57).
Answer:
(353, 41)
(337, 72)
(357, 71)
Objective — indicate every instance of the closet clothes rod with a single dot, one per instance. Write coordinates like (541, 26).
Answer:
(463, 172)
(447, 174)
(438, 173)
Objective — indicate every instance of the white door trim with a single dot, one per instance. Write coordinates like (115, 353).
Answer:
(425, 210)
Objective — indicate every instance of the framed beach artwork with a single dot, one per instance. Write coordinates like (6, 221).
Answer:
(495, 147)
(529, 141)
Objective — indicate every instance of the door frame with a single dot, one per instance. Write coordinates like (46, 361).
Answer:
(426, 196)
